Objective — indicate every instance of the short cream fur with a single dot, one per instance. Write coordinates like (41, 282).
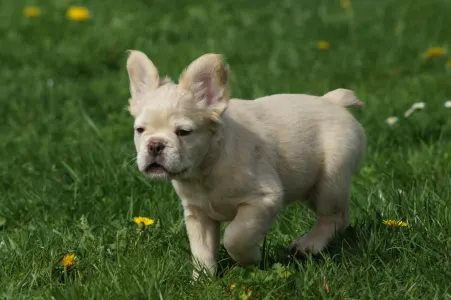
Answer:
(242, 161)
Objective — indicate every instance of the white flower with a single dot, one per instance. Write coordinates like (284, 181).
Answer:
(391, 120)
(415, 106)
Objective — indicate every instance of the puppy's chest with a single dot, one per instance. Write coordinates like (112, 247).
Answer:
(217, 204)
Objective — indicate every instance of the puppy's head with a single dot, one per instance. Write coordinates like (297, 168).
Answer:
(175, 124)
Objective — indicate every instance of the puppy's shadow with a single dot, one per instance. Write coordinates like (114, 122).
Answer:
(352, 244)
(348, 242)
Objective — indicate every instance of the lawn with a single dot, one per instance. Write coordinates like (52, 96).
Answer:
(68, 182)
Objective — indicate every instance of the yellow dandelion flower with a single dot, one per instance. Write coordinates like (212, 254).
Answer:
(448, 63)
(244, 295)
(68, 260)
(32, 11)
(78, 13)
(323, 45)
(345, 4)
(143, 221)
(232, 286)
(434, 52)
(394, 223)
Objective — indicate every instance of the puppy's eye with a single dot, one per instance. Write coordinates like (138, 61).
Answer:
(139, 130)
(182, 132)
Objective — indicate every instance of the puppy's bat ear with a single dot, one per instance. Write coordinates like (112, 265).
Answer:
(207, 79)
(142, 73)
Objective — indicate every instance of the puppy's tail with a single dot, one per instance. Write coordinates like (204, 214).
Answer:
(343, 97)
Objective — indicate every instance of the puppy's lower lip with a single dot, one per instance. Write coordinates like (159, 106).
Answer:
(155, 168)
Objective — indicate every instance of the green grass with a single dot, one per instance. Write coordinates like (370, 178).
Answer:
(68, 181)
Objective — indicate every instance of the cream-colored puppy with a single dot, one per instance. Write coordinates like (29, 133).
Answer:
(242, 161)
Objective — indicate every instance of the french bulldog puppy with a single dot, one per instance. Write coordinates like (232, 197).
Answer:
(243, 160)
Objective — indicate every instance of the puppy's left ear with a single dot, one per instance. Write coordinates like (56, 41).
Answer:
(207, 79)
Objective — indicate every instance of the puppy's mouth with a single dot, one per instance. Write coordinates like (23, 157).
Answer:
(158, 171)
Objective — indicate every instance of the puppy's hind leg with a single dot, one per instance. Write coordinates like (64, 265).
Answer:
(330, 202)
(329, 198)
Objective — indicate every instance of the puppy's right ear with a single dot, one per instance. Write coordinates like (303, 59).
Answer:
(142, 73)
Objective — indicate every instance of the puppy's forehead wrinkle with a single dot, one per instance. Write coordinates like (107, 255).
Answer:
(164, 98)
(169, 107)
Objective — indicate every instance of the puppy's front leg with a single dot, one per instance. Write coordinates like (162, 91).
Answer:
(203, 235)
(246, 231)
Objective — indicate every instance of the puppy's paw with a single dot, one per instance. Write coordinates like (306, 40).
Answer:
(308, 244)
(201, 276)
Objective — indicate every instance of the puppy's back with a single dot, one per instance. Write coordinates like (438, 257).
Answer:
(302, 132)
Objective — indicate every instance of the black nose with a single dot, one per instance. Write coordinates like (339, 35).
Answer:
(155, 147)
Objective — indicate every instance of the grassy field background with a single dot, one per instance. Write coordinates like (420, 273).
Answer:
(68, 183)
